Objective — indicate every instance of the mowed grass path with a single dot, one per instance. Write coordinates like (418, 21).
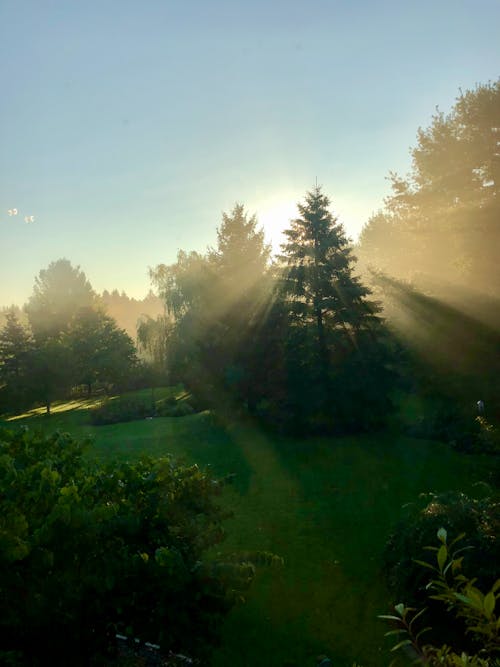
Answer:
(326, 506)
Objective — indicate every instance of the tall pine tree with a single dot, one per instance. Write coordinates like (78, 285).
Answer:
(319, 284)
(333, 348)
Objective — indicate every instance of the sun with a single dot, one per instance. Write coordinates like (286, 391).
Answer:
(274, 216)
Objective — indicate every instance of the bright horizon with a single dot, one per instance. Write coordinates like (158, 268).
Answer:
(127, 130)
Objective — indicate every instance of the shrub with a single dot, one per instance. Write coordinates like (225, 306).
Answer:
(174, 409)
(90, 551)
(477, 610)
(119, 410)
(457, 513)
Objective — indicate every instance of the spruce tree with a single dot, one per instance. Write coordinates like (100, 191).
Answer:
(16, 347)
(334, 328)
(319, 284)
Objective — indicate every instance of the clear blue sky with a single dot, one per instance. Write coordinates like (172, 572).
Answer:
(127, 127)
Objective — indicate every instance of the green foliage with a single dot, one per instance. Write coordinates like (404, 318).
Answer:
(16, 347)
(152, 339)
(124, 409)
(463, 599)
(457, 514)
(488, 439)
(215, 299)
(59, 292)
(102, 352)
(336, 350)
(51, 371)
(442, 217)
(86, 552)
(174, 408)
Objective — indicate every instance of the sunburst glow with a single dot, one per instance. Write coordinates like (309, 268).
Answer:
(274, 216)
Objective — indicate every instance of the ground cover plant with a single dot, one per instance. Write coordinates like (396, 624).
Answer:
(326, 505)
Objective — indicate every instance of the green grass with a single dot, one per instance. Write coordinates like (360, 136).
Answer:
(326, 506)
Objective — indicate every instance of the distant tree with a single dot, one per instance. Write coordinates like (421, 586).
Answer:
(59, 292)
(213, 299)
(51, 371)
(152, 340)
(101, 351)
(6, 310)
(445, 212)
(128, 311)
(241, 257)
(16, 346)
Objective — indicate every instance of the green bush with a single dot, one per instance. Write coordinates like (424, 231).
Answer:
(119, 410)
(179, 409)
(457, 513)
(88, 552)
(173, 407)
(477, 612)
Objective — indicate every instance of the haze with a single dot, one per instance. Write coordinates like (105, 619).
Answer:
(126, 130)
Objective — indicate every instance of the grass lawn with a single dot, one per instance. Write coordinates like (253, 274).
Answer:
(326, 506)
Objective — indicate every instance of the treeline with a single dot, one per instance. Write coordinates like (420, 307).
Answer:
(68, 341)
(439, 227)
(299, 340)
(431, 254)
(125, 310)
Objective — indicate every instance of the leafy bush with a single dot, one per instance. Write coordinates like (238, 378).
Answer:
(88, 552)
(477, 610)
(488, 439)
(128, 409)
(172, 407)
(119, 410)
(457, 513)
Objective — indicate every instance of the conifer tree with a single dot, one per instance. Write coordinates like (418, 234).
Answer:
(319, 284)
(332, 348)
(16, 345)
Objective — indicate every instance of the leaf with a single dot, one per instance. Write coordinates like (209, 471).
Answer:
(405, 642)
(395, 632)
(489, 604)
(424, 564)
(495, 586)
(442, 535)
(457, 539)
(463, 598)
(389, 617)
(442, 556)
(400, 608)
(417, 615)
(419, 634)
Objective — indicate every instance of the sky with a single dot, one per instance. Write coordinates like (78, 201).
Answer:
(127, 128)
